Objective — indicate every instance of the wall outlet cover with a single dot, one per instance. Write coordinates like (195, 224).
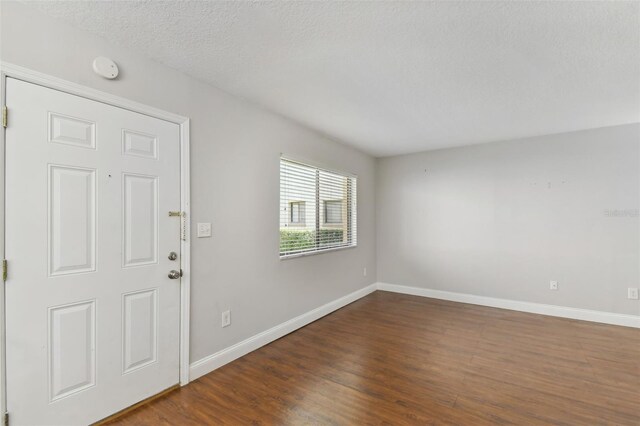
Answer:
(553, 285)
(226, 319)
(632, 293)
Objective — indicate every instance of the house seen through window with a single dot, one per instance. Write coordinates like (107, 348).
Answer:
(333, 211)
(317, 209)
(297, 213)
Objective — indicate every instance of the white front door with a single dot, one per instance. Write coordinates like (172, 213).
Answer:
(92, 317)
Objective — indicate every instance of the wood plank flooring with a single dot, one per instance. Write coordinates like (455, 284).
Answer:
(397, 359)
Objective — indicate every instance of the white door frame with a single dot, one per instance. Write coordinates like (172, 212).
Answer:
(24, 74)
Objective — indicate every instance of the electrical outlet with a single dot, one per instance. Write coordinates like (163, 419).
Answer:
(364, 272)
(226, 319)
(632, 293)
(553, 285)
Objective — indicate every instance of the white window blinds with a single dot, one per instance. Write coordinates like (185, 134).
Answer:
(317, 209)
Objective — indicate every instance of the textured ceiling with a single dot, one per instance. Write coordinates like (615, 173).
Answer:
(396, 77)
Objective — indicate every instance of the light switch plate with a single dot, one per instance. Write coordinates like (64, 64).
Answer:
(204, 230)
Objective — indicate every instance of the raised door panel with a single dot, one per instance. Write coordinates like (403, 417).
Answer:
(72, 131)
(72, 340)
(72, 220)
(140, 206)
(140, 329)
(139, 144)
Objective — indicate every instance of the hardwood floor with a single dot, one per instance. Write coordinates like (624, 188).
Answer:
(398, 359)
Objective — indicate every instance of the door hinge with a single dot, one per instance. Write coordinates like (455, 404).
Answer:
(5, 113)
(6, 419)
(5, 269)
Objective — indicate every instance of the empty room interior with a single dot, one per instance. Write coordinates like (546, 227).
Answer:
(320, 212)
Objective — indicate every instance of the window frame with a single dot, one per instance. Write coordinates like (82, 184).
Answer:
(325, 210)
(302, 214)
(351, 206)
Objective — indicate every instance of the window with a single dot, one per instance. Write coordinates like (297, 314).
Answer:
(297, 213)
(333, 211)
(317, 209)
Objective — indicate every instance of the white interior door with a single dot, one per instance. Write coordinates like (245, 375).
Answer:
(92, 317)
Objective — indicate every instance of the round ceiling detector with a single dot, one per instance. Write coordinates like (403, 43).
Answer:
(105, 67)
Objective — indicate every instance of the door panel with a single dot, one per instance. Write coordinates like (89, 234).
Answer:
(72, 131)
(72, 343)
(92, 318)
(140, 329)
(139, 145)
(72, 221)
(140, 202)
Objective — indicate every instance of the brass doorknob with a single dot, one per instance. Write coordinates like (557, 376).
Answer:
(174, 275)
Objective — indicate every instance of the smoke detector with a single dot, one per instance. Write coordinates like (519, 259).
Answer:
(105, 67)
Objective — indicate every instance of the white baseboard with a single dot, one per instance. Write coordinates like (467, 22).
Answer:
(225, 356)
(514, 305)
(218, 359)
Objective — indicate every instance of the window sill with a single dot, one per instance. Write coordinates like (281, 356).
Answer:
(315, 252)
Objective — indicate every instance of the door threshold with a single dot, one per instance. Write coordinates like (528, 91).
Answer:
(127, 410)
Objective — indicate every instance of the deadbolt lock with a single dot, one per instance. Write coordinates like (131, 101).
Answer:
(173, 255)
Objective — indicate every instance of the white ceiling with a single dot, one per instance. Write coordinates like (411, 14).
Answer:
(397, 77)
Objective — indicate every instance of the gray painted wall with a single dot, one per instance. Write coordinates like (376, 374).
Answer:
(503, 219)
(235, 150)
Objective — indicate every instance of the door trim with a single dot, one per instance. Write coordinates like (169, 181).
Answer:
(30, 76)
